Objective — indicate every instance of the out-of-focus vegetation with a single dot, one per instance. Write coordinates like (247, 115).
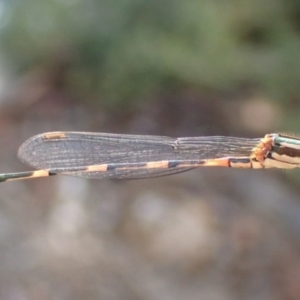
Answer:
(119, 52)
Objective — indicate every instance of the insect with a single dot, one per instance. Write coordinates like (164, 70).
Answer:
(121, 156)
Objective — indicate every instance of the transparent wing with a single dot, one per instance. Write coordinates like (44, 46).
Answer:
(68, 150)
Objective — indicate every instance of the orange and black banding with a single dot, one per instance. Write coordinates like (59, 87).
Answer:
(165, 164)
(27, 175)
(40, 173)
(54, 135)
(218, 162)
(229, 162)
(170, 164)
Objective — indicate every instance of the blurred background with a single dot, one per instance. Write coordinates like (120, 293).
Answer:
(175, 68)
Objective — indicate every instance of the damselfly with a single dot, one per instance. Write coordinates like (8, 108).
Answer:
(120, 156)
